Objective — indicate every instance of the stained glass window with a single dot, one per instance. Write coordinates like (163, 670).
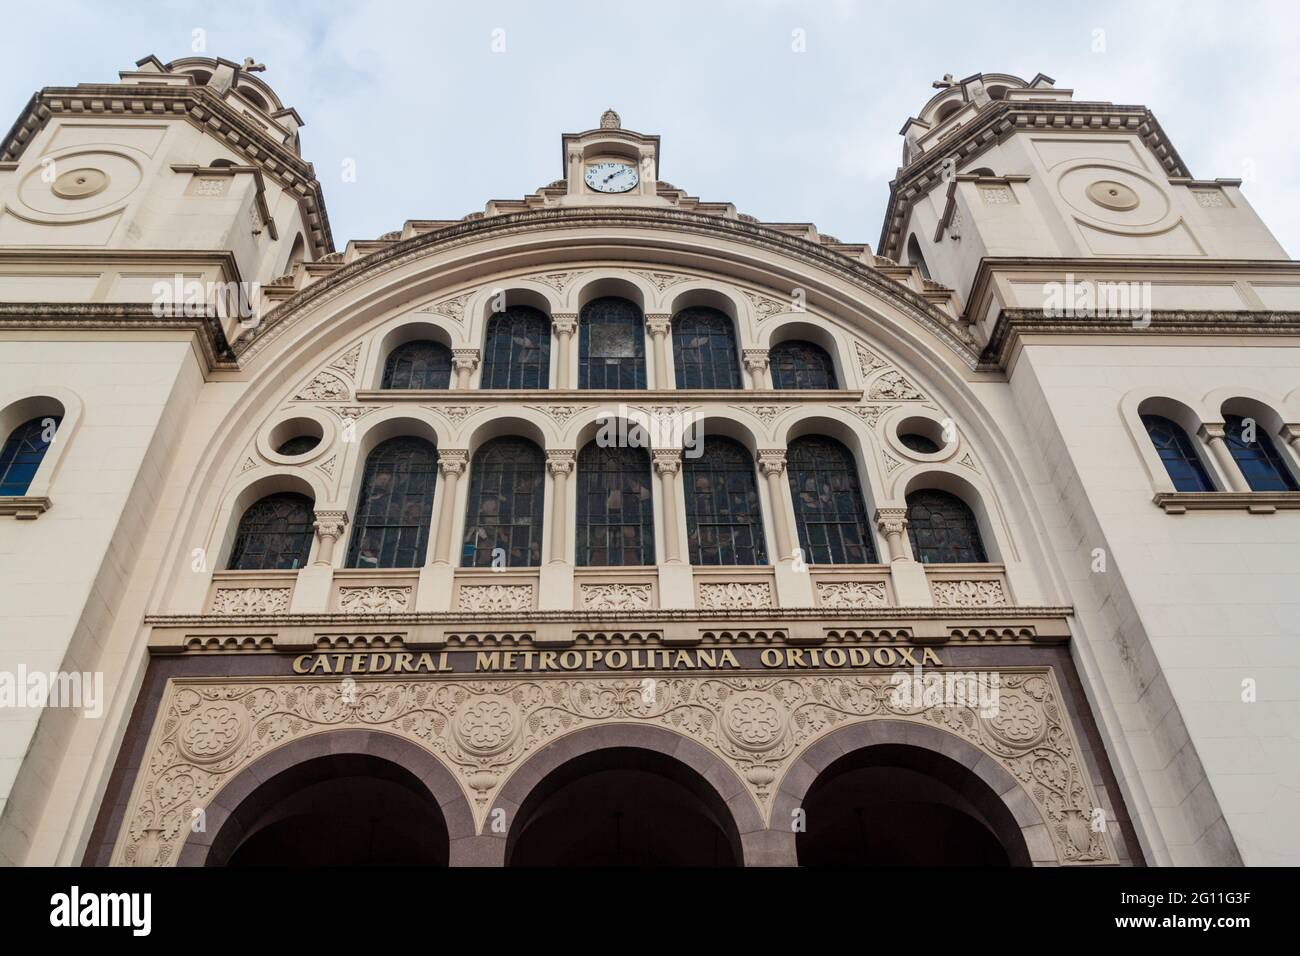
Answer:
(724, 521)
(517, 352)
(616, 522)
(395, 505)
(611, 345)
(419, 364)
(801, 365)
(504, 512)
(1259, 461)
(704, 349)
(22, 453)
(828, 507)
(1176, 450)
(942, 529)
(274, 534)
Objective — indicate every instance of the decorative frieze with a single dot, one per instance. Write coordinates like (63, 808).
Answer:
(850, 594)
(453, 308)
(617, 596)
(375, 600)
(208, 731)
(495, 598)
(984, 592)
(325, 387)
(662, 280)
(253, 600)
(735, 596)
(892, 386)
(764, 307)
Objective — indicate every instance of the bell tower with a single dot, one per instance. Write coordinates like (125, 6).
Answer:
(1001, 174)
(188, 169)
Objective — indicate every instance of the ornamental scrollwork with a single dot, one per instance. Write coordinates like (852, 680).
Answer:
(250, 601)
(481, 730)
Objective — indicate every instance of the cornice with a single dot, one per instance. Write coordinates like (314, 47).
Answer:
(981, 289)
(590, 396)
(121, 317)
(201, 108)
(956, 335)
(622, 618)
(1012, 324)
(996, 122)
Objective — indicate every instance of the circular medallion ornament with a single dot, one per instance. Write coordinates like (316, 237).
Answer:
(211, 733)
(486, 726)
(1112, 195)
(753, 721)
(80, 183)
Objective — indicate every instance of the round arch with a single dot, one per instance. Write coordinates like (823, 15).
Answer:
(236, 804)
(1012, 815)
(715, 782)
(941, 477)
(252, 487)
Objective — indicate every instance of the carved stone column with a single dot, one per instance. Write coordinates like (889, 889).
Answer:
(1214, 436)
(668, 464)
(756, 364)
(771, 462)
(659, 325)
(892, 523)
(329, 527)
(559, 462)
(451, 465)
(464, 361)
(564, 325)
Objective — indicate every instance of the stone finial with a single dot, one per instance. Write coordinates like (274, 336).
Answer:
(946, 83)
(252, 66)
(610, 120)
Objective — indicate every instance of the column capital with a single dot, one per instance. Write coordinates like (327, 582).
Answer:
(756, 359)
(1211, 430)
(667, 461)
(891, 520)
(330, 524)
(560, 461)
(658, 323)
(564, 323)
(1291, 432)
(452, 461)
(771, 461)
(464, 358)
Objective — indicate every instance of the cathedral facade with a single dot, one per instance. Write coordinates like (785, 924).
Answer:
(612, 525)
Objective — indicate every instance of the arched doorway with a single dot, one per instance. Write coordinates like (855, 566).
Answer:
(336, 810)
(902, 805)
(623, 806)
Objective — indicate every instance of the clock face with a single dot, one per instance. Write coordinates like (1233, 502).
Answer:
(611, 177)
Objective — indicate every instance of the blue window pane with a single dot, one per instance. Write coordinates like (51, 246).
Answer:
(23, 451)
(1178, 454)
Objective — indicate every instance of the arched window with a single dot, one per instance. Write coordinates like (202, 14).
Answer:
(23, 451)
(801, 365)
(1259, 461)
(942, 529)
(828, 506)
(274, 534)
(724, 522)
(611, 345)
(1176, 450)
(506, 482)
(704, 349)
(914, 257)
(616, 523)
(517, 353)
(420, 364)
(396, 502)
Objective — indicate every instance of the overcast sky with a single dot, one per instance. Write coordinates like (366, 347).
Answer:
(438, 123)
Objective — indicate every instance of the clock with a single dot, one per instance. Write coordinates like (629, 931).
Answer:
(611, 177)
